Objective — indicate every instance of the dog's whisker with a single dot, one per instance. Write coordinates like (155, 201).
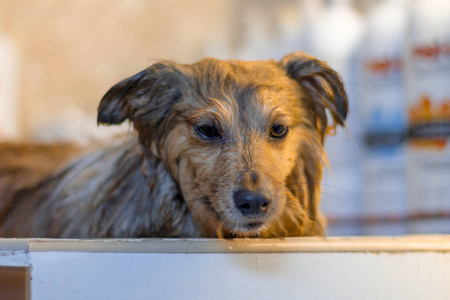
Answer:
(327, 186)
(340, 198)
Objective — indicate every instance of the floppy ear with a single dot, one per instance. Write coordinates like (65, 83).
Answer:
(147, 96)
(324, 85)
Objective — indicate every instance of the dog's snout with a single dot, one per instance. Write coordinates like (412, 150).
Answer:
(251, 203)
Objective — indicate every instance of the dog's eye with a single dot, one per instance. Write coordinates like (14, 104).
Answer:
(208, 131)
(278, 131)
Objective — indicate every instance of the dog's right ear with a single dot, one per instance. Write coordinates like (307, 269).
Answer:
(147, 96)
(324, 85)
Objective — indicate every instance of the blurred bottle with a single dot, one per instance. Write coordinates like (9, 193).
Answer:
(335, 37)
(9, 110)
(384, 118)
(428, 94)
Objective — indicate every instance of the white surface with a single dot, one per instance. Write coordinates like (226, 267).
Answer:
(72, 275)
(14, 258)
(415, 267)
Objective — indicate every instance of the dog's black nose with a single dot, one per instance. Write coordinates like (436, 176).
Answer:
(251, 203)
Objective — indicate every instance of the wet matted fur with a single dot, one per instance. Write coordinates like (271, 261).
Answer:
(207, 135)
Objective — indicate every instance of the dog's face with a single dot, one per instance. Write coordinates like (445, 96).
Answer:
(243, 140)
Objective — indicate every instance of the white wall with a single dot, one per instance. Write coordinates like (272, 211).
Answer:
(380, 268)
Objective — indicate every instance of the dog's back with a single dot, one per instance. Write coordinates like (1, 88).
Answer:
(100, 194)
(24, 165)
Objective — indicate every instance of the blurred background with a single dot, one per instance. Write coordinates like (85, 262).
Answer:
(390, 171)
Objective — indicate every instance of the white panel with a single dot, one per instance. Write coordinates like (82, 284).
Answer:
(82, 275)
(13, 258)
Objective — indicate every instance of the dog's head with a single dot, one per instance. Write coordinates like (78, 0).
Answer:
(243, 140)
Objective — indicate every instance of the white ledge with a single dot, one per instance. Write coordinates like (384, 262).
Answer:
(413, 243)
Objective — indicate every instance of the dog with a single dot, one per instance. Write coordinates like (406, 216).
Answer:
(227, 149)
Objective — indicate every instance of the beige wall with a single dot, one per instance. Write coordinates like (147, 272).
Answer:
(72, 51)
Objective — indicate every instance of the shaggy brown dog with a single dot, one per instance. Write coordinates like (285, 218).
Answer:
(223, 149)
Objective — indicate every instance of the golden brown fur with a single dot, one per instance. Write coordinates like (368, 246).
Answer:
(207, 133)
(25, 165)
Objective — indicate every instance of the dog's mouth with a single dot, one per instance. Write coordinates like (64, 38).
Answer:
(254, 225)
(234, 224)
(246, 230)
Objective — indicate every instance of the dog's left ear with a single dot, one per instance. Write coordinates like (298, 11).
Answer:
(145, 97)
(324, 86)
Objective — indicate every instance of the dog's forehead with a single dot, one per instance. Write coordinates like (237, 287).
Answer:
(255, 91)
(224, 72)
(244, 81)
